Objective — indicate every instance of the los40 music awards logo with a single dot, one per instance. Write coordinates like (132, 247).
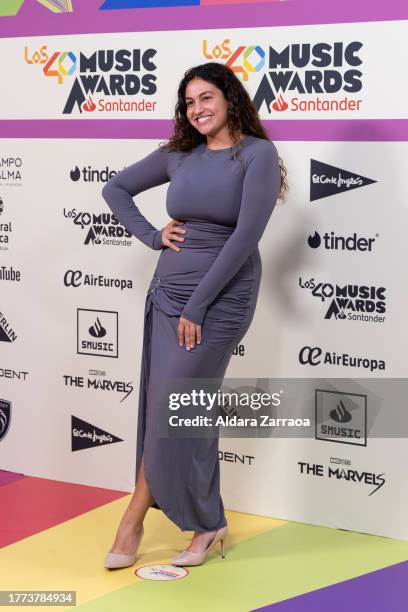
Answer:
(297, 77)
(102, 80)
(351, 302)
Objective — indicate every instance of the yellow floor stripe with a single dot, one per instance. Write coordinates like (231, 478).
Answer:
(70, 556)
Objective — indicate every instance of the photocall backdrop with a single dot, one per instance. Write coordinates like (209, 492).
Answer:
(85, 94)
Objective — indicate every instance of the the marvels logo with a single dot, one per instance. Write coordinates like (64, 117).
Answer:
(357, 299)
(341, 417)
(86, 435)
(97, 332)
(76, 278)
(5, 230)
(314, 356)
(11, 171)
(316, 70)
(114, 73)
(100, 229)
(89, 175)
(98, 383)
(326, 180)
(349, 475)
(5, 417)
(7, 334)
(331, 242)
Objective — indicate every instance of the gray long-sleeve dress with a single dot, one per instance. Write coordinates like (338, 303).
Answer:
(225, 203)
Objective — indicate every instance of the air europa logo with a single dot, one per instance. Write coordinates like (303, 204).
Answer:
(308, 69)
(103, 79)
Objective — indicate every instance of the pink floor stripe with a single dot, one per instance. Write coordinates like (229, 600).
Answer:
(30, 505)
(9, 477)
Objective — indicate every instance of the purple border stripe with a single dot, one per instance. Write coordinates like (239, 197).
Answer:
(150, 4)
(34, 20)
(9, 477)
(352, 130)
(381, 591)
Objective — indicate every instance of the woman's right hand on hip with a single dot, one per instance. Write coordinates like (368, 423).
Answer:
(171, 232)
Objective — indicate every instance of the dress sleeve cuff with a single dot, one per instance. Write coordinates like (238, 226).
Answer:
(157, 241)
(194, 315)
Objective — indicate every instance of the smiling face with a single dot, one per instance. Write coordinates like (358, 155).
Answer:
(206, 108)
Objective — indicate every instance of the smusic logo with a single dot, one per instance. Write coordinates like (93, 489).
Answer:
(97, 332)
(341, 417)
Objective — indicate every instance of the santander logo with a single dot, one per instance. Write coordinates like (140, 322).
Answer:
(280, 104)
(89, 105)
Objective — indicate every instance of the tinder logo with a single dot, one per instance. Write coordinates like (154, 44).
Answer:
(75, 174)
(335, 242)
(90, 175)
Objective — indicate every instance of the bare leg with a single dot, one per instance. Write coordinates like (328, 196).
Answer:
(132, 520)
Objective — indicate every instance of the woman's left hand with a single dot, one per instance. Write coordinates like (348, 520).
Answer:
(188, 333)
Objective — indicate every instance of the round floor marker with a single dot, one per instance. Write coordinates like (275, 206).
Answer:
(161, 572)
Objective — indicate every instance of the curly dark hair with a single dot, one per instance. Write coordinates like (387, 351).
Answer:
(242, 116)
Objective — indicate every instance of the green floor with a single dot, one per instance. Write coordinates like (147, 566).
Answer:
(281, 563)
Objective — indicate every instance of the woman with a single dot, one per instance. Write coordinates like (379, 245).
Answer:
(225, 177)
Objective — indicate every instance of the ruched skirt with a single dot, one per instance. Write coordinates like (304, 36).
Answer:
(183, 474)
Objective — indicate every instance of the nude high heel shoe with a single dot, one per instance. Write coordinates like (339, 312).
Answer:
(117, 560)
(191, 558)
